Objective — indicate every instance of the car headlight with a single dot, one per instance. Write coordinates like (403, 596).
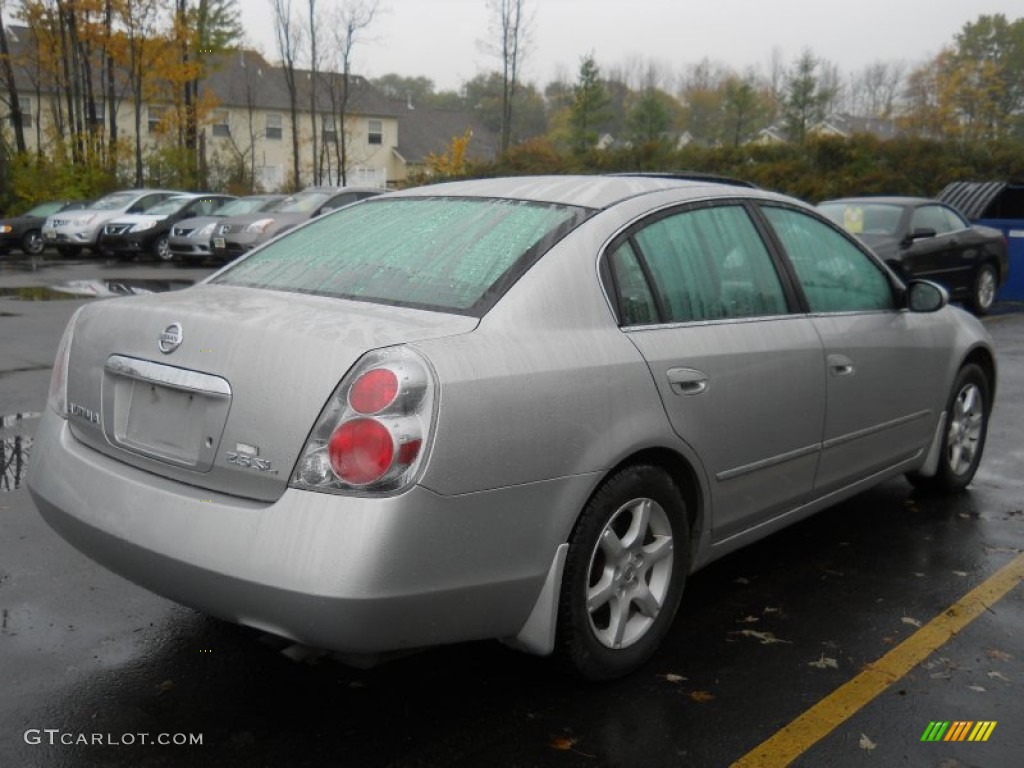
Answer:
(142, 226)
(259, 227)
(205, 231)
(6, 229)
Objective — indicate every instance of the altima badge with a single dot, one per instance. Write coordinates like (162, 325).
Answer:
(171, 338)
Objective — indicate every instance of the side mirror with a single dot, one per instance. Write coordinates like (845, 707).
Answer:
(926, 296)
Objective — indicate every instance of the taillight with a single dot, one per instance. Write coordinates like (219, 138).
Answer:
(57, 399)
(371, 434)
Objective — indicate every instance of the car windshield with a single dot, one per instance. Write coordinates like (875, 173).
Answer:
(244, 205)
(449, 254)
(46, 209)
(114, 202)
(864, 218)
(304, 202)
(171, 205)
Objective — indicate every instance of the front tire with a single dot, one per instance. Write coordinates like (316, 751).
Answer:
(624, 574)
(967, 414)
(983, 291)
(32, 242)
(162, 248)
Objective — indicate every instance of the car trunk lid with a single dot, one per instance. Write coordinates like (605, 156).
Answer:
(218, 386)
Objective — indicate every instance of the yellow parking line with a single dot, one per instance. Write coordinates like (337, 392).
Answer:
(817, 722)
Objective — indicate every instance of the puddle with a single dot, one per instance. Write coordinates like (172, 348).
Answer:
(15, 443)
(94, 289)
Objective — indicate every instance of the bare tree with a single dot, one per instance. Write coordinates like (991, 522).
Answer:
(289, 39)
(512, 24)
(874, 90)
(314, 63)
(351, 23)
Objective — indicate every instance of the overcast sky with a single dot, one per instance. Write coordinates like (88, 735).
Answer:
(444, 39)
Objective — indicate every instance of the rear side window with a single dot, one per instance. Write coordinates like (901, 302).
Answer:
(835, 275)
(710, 264)
(449, 254)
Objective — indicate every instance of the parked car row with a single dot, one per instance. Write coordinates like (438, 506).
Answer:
(167, 224)
(234, 235)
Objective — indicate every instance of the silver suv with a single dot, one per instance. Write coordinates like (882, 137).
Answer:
(70, 232)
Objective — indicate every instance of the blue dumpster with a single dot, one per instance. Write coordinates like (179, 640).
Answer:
(997, 204)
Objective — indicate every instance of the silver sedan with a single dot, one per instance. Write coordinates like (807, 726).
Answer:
(522, 409)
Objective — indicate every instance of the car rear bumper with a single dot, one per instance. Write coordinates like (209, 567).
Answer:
(358, 575)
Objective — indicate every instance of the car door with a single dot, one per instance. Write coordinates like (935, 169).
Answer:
(741, 378)
(884, 366)
(948, 257)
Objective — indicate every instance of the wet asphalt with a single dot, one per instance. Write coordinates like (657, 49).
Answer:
(94, 671)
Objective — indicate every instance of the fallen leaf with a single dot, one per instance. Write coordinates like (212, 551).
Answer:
(701, 696)
(959, 573)
(741, 580)
(670, 678)
(748, 620)
(998, 655)
(824, 663)
(866, 743)
(769, 609)
(911, 621)
(766, 638)
(919, 575)
(977, 688)
(564, 743)
(166, 685)
(999, 676)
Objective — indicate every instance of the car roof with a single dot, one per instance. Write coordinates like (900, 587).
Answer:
(587, 191)
(885, 200)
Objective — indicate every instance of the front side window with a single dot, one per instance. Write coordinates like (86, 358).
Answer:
(710, 264)
(836, 276)
(449, 254)
(936, 217)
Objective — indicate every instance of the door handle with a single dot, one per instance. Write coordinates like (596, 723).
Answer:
(687, 381)
(840, 365)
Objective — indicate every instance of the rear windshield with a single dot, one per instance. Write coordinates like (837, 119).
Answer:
(449, 254)
(865, 218)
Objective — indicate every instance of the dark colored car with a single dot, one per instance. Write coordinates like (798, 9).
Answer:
(149, 232)
(239, 234)
(923, 238)
(190, 238)
(24, 232)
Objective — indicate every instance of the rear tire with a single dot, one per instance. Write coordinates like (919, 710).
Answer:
(983, 290)
(628, 558)
(967, 414)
